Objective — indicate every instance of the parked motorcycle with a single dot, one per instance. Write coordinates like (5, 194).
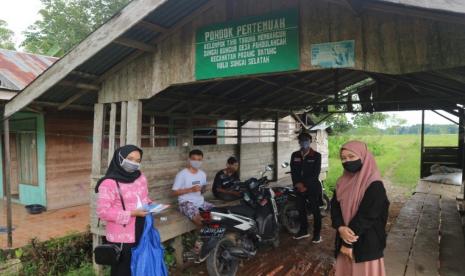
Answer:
(286, 197)
(233, 233)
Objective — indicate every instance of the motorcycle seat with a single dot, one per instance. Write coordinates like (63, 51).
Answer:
(243, 211)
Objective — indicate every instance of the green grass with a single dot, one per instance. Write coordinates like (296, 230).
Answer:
(401, 153)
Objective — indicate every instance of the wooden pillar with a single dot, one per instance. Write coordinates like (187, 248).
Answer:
(190, 128)
(460, 137)
(99, 115)
(462, 149)
(9, 223)
(276, 147)
(422, 142)
(112, 135)
(99, 110)
(239, 143)
(134, 124)
(123, 124)
(152, 131)
(178, 250)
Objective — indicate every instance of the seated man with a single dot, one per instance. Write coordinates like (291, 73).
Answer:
(223, 185)
(189, 185)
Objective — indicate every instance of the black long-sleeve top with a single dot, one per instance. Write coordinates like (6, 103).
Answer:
(369, 224)
(306, 169)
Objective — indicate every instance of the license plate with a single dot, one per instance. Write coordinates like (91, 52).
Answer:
(212, 232)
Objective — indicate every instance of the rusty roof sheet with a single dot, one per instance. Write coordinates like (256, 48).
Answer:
(18, 69)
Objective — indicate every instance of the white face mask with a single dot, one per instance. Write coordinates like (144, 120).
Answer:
(128, 165)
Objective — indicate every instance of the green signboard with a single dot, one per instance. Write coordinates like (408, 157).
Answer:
(253, 45)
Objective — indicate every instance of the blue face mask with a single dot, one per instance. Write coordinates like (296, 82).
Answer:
(195, 164)
(305, 145)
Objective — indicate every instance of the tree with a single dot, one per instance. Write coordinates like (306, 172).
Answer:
(6, 36)
(369, 119)
(338, 122)
(65, 23)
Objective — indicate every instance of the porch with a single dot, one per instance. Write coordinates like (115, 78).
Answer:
(44, 226)
(427, 237)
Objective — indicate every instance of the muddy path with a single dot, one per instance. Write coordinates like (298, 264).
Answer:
(295, 258)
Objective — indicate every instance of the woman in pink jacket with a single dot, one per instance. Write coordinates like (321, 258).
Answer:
(124, 215)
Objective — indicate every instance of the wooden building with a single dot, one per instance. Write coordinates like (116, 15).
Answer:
(160, 63)
(50, 151)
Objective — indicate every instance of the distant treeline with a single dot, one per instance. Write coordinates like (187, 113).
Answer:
(416, 129)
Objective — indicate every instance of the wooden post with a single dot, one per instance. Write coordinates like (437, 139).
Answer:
(134, 124)
(422, 142)
(190, 129)
(462, 148)
(461, 137)
(9, 224)
(276, 147)
(239, 143)
(99, 112)
(112, 136)
(178, 250)
(152, 131)
(123, 124)
(97, 140)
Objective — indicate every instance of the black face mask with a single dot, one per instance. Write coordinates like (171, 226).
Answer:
(352, 166)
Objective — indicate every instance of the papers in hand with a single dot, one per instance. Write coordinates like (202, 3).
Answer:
(156, 208)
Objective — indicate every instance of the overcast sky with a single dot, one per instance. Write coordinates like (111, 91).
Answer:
(19, 14)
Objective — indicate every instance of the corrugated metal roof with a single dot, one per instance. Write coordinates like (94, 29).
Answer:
(165, 16)
(453, 6)
(18, 69)
(319, 84)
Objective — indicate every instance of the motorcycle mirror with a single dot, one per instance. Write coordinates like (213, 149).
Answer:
(285, 165)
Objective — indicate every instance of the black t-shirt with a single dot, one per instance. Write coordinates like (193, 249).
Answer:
(224, 181)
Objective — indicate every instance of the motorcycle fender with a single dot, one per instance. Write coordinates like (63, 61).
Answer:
(209, 245)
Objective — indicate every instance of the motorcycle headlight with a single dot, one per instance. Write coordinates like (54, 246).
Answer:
(216, 218)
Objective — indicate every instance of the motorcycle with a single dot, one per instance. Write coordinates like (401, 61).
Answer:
(286, 197)
(230, 234)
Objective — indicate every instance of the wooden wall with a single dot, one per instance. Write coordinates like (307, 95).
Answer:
(68, 157)
(160, 165)
(385, 42)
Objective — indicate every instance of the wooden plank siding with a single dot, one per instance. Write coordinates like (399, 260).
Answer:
(68, 158)
(385, 42)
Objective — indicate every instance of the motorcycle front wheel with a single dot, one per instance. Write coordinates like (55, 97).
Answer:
(290, 217)
(220, 262)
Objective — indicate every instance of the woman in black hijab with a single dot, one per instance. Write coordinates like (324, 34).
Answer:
(122, 192)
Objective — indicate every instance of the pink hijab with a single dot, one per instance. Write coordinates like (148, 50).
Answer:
(351, 187)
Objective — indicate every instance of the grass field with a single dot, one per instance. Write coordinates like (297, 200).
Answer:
(397, 156)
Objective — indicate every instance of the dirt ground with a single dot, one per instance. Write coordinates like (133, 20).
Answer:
(295, 258)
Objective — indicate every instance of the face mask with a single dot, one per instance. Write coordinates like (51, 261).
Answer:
(304, 144)
(195, 164)
(352, 166)
(129, 166)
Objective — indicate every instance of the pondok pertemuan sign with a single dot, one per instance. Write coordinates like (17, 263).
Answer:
(253, 45)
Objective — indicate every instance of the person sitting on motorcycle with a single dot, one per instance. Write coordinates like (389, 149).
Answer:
(223, 185)
(189, 185)
(305, 171)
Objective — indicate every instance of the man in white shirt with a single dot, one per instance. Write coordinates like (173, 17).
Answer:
(189, 185)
